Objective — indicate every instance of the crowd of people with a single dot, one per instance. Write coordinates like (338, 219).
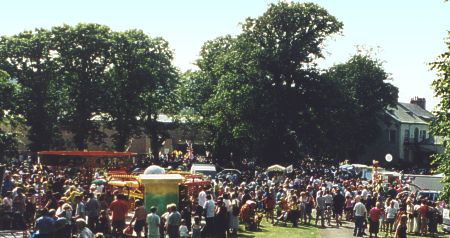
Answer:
(58, 203)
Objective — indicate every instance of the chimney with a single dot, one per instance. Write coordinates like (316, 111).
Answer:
(421, 102)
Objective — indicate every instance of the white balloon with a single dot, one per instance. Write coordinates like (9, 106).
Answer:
(388, 157)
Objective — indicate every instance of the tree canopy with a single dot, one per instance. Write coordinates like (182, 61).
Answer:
(258, 95)
(262, 96)
(85, 77)
(8, 139)
(441, 125)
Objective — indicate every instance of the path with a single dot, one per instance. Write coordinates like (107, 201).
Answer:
(344, 231)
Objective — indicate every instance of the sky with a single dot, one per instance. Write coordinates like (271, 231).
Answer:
(405, 34)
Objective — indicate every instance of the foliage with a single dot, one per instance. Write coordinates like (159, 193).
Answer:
(84, 55)
(128, 78)
(8, 140)
(441, 125)
(29, 58)
(254, 87)
(261, 96)
(159, 96)
(85, 77)
(363, 96)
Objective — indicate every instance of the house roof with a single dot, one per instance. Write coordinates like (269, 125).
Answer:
(409, 113)
(417, 110)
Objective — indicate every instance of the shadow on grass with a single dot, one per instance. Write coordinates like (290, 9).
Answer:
(269, 228)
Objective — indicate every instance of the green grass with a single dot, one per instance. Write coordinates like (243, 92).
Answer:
(267, 230)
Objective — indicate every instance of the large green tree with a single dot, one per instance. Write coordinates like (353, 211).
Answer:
(140, 87)
(159, 97)
(126, 81)
(362, 97)
(441, 125)
(260, 94)
(84, 53)
(30, 59)
(264, 78)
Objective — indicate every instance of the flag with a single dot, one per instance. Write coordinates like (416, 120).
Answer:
(290, 169)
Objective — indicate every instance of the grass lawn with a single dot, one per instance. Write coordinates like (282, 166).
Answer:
(268, 230)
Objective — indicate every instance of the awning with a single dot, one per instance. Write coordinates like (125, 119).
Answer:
(87, 153)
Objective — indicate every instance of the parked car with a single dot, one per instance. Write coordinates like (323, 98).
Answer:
(205, 169)
(224, 173)
(429, 194)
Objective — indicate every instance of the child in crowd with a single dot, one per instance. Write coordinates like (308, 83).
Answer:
(184, 232)
(197, 228)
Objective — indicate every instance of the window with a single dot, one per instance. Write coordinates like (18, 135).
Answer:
(406, 136)
(423, 135)
(392, 136)
(416, 135)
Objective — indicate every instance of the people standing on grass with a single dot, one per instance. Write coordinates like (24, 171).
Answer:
(359, 213)
(140, 216)
(197, 228)
(320, 208)
(338, 207)
(374, 220)
(153, 222)
(92, 212)
(400, 231)
(291, 197)
(410, 214)
(391, 213)
(209, 210)
(119, 211)
(173, 221)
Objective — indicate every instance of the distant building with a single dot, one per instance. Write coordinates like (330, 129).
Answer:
(406, 136)
(177, 140)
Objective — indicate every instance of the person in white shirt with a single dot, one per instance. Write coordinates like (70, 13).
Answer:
(8, 202)
(391, 212)
(209, 208)
(184, 232)
(360, 213)
(364, 193)
(202, 197)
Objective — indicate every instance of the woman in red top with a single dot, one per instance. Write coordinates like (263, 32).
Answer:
(269, 205)
(374, 220)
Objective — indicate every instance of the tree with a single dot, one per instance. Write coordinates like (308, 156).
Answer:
(441, 125)
(8, 140)
(288, 38)
(363, 97)
(264, 82)
(126, 80)
(84, 54)
(30, 59)
(158, 95)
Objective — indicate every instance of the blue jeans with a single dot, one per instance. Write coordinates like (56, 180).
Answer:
(359, 223)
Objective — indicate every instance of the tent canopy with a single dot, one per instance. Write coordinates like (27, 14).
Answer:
(276, 168)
